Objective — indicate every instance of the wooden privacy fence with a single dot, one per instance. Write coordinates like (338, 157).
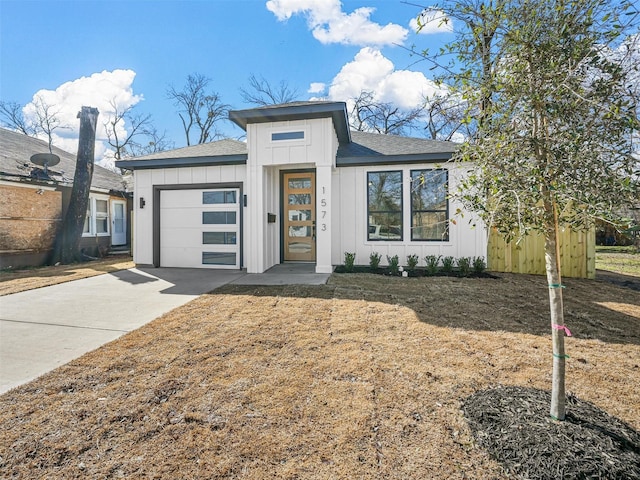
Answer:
(577, 254)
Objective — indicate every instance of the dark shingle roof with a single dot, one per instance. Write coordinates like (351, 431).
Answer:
(364, 149)
(16, 150)
(367, 148)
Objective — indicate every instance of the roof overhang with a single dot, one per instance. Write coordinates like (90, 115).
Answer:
(337, 111)
(238, 159)
(358, 161)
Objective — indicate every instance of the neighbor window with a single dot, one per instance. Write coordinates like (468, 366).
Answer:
(384, 205)
(429, 205)
(96, 220)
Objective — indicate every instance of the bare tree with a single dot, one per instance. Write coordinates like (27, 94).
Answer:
(136, 125)
(46, 119)
(263, 93)
(153, 142)
(370, 115)
(447, 115)
(200, 109)
(12, 117)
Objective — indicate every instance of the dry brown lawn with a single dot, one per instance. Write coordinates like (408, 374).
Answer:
(362, 378)
(30, 278)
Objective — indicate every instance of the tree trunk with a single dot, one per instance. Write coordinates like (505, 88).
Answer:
(68, 239)
(554, 279)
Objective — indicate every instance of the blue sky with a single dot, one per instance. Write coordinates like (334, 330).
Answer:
(133, 50)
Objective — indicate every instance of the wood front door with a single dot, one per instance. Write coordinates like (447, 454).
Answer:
(299, 192)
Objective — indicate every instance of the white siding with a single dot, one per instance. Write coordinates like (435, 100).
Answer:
(350, 220)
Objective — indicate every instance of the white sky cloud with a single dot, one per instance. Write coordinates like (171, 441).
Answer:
(432, 21)
(372, 71)
(330, 24)
(97, 90)
(317, 87)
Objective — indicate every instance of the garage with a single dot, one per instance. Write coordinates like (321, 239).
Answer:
(200, 228)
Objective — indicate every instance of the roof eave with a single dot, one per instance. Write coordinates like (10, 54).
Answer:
(238, 159)
(357, 161)
(336, 110)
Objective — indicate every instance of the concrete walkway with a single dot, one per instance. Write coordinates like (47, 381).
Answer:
(47, 327)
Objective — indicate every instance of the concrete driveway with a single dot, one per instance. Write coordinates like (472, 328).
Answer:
(44, 328)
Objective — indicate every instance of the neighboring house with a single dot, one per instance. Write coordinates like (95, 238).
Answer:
(34, 203)
(303, 188)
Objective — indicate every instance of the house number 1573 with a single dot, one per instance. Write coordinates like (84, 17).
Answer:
(323, 212)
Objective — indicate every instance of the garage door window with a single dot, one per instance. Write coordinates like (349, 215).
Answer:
(219, 238)
(219, 218)
(218, 197)
(218, 258)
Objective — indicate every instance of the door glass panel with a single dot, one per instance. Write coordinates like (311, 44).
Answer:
(118, 221)
(300, 231)
(300, 199)
(298, 183)
(299, 215)
(299, 247)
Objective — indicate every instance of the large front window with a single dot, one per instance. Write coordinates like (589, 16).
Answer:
(384, 204)
(429, 205)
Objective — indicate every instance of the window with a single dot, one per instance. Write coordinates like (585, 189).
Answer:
(218, 258)
(287, 136)
(429, 205)
(219, 196)
(219, 238)
(96, 221)
(102, 216)
(384, 206)
(218, 218)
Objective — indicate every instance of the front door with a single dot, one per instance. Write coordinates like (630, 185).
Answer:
(118, 222)
(299, 191)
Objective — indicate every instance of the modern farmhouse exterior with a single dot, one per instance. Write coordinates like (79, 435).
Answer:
(303, 188)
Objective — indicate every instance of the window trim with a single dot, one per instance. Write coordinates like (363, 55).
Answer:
(445, 238)
(400, 211)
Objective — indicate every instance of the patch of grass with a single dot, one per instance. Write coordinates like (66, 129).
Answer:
(618, 260)
(362, 378)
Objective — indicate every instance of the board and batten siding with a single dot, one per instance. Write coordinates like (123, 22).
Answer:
(146, 180)
(577, 253)
(350, 220)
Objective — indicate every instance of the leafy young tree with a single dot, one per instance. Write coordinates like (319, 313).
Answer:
(556, 119)
(263, 93)
(200, 109)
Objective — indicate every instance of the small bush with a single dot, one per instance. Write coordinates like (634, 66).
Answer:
(412, 262)
(393, 264)
(349, 261)
(431, 264)
(479, 265)
(464, 266)
(447, 264)
(374, 261)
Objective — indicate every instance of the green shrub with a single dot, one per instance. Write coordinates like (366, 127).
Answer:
(479, 265)
(447, 264)
(431, 264)
(374, 261)
(349, 261)
(412, 262)
(393, 264)
(464, 266)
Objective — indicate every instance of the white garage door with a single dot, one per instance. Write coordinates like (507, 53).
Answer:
(200, 228)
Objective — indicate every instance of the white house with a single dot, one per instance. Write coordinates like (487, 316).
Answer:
(303, 188)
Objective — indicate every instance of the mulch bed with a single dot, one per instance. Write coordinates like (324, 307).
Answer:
(514, 425)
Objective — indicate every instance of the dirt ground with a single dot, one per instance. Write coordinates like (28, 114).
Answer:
(30, 278)
(362, 378)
